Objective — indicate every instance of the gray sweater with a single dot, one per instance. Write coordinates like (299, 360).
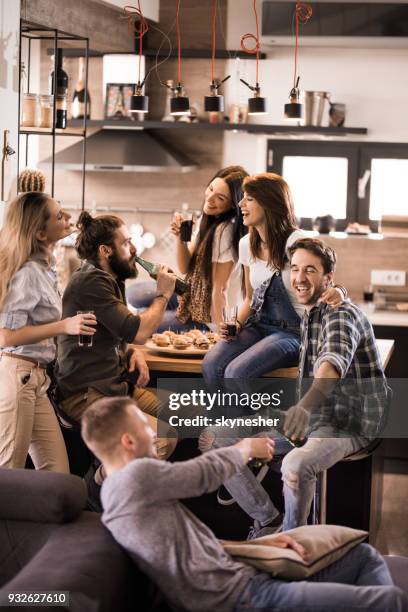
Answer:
(168, 543)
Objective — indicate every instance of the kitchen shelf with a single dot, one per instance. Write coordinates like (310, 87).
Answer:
(48, 132)
(252, 128)
(30, 32)
(185, 53)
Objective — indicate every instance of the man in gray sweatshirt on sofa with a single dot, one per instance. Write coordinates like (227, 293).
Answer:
(142, 509)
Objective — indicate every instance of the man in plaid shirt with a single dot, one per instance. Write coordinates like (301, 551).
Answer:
(346, 401)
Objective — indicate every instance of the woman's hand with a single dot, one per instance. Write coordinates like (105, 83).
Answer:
(176, 224)
(80, 324)
(136, 361)
(223, 331)
(333, 296)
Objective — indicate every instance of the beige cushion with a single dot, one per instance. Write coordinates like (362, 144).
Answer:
(323, 543)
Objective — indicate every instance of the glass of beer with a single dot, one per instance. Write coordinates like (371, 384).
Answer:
(186, 227)
(229, 317)
(84, 340)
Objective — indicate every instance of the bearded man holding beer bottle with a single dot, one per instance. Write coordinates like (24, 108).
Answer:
(111, 366)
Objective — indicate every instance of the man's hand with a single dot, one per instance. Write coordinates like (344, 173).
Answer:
(296, 422)
(259, 448)
(136, 361)
(285, 541)
(166, 282)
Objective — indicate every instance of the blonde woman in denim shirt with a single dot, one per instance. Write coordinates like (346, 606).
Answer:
(30, 319)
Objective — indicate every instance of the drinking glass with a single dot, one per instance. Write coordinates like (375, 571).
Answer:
(84, 340)
(229, 317)
(186, 227)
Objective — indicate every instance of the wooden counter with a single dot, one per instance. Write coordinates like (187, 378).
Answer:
(192, 365)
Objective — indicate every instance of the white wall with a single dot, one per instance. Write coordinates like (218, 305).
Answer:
(371, 82)
(9, 40)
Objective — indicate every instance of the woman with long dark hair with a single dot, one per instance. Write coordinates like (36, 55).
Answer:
(209, 261)
(269, 318)
(30, 319)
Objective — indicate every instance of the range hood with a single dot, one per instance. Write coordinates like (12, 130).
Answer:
(121, 150)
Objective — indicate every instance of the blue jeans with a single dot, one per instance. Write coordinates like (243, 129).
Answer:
(269, 340)
(141, 295)
(255, 351)
(358, 581)
(300, 467)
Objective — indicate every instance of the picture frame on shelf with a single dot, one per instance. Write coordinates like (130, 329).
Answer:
(117, 101)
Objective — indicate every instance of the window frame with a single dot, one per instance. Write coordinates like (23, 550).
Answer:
(359, 155)
(368, 152)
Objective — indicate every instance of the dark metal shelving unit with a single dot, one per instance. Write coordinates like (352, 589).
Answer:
(35, 31)
(254, 128)
(152, 53)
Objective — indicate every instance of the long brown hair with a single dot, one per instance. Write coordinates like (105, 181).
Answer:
(233, 176)
(26, 215)
(272, 193)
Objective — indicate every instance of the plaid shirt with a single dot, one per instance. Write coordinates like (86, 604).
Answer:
(345, 338)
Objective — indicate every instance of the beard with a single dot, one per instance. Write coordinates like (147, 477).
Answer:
(122, 268)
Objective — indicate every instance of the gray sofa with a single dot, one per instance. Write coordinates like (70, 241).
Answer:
(47, 542)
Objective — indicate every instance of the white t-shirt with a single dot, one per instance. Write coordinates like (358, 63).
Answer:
(259, 270)
(222, 253)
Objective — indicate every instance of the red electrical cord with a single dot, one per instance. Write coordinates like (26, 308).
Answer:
(303, 13)
(256, 48)
(178, 42)
(214, 23)
(138, 31)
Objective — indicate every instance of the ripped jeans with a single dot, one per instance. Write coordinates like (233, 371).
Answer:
(300, 467)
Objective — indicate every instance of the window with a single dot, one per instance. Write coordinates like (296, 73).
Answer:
(322, 177)
(352, 181)
(313, 198)
(389, 188)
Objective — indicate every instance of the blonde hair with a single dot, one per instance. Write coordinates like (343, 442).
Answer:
(26, 215)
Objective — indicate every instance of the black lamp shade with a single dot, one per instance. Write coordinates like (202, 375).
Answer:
(293, 110)
(139, 104)
(214, 104)
(179, 105)
(256, 106)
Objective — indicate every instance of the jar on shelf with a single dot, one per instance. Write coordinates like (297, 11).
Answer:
(45, 111)
(30, 109)
(61, 112)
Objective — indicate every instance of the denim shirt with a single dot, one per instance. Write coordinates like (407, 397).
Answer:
(32, 299)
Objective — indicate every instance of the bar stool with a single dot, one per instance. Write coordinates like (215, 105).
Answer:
(319, 506)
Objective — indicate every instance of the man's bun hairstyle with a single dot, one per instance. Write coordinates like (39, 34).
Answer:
(94, 232)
